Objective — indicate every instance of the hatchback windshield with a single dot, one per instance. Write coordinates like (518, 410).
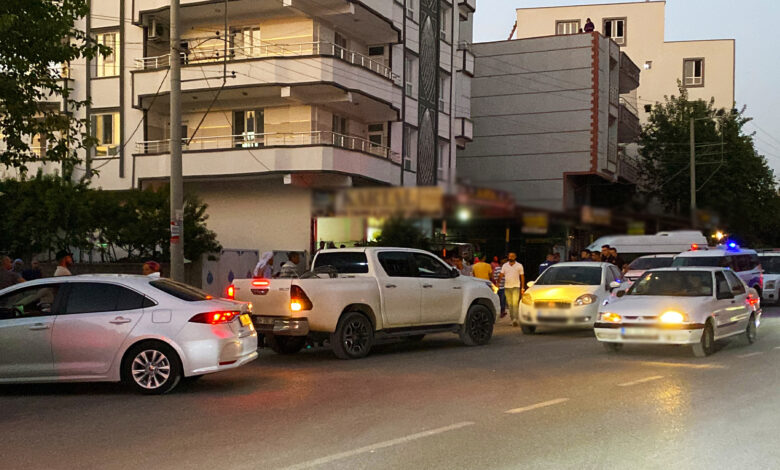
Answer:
(704, 261)
(643, 264)
(771, 264)
(571, 275)
(674, 283)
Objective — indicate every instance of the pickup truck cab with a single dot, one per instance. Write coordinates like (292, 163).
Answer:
(353, 297)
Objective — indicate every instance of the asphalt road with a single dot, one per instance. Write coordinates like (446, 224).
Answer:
(553, 400)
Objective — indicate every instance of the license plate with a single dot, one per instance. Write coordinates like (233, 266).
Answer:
(638, 333)
(245, 319)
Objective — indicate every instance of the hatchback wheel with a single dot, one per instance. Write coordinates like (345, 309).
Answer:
(528, 329)
(706, 346)
(152, 368)
(750, 331)
(353, 337)
(478, 327)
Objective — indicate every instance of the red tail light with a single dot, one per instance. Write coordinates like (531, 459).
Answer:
(261, 283)
(214, 318)
(299, 300)
(231, 292)
(694, 247)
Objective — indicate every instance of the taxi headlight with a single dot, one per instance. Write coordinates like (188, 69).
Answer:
(527, 299)
(586, 299)
(672, 317)
(610, 317)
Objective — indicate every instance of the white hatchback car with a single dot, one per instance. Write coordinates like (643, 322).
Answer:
(688, 306)
(147, 332)
(568, 295)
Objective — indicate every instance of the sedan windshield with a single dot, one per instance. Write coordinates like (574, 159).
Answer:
(571, 275)
(771, 264)
(674, 283)
(643, 264)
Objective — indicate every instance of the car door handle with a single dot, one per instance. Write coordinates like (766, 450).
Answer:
(456, 287)
(39, 326)
(427, 286)
(120, 320)
(390, 286)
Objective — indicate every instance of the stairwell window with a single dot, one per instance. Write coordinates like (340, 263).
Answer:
(105, 128)
(567, 27)
(693, 72)
(108, 66)
(615, 28)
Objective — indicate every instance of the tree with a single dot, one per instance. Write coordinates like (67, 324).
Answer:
(39, 42)
(401, 232)
(732, 179)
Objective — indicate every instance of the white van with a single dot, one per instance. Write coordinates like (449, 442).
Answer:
(743, 262)
(630, 247)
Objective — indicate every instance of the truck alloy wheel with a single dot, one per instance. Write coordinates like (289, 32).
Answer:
(478, 327)
(353, 337)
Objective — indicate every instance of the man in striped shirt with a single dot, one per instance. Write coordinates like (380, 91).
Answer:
(499, 282)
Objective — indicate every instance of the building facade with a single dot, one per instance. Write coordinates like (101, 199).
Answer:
(551, 115)
(705, 68)
(280, 99)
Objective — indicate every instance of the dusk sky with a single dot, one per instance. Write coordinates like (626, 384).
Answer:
(753, 23)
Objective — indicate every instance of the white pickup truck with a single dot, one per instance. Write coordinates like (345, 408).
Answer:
(353, 297)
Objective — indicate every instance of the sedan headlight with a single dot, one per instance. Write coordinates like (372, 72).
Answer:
(527, 299)
(610, 317)
(672, 317)
(586, 299)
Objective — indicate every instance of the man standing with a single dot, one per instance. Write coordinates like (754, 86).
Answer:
(585, 255)
(64, 263)
(547, 263)
(151, 269)
(34, 272)
(498, 280)
(514, 279)
(616, 259)
(290, 267)
(606, 254)
(482, 270)
(589, 26)
(7, 276)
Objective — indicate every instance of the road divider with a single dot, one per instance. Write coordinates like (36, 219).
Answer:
(641, 381)
(537, 406)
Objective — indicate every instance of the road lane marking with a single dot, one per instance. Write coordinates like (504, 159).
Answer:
(683, 364)
(743, 356)
(641, 381)
(537, 406)
(380, 445)
(777, 347)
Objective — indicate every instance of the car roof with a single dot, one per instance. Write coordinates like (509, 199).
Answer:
(717, 251)
(582, 263)
(130, 280)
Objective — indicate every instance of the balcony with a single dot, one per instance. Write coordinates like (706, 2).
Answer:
(316, 151)
(464, 59)
(629, 74)
(466, 7)
(628, 122)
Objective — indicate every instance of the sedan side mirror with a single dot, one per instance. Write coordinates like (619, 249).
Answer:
(454, 273)
(614, 285)
(530, 284)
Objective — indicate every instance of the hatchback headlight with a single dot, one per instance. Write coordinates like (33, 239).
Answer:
(527, 299)
(672, 317)
(610, 317)
(586, 299)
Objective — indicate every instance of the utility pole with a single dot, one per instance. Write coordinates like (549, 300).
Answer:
(693, 175)
(177, 185)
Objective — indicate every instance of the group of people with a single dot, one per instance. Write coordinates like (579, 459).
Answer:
(608, 254)
(265, 267)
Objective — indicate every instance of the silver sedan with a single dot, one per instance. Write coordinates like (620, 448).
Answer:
(148, 332)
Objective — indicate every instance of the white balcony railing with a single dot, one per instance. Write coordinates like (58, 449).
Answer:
(216, 53)
(629, 106)
(272, 139)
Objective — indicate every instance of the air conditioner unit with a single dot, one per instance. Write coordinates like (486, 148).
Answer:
(155, 30)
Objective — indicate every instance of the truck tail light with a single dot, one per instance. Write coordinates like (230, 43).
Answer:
(231, 292)
(261, 283)
(215, 318)
(299, 300)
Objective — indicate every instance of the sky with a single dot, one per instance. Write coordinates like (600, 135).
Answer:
(753, 23)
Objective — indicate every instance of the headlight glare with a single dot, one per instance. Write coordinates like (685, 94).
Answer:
(672, 317)
(527, 299)
(610, 317)
(586, 299)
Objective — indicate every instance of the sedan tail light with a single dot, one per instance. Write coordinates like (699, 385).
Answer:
(215, 318)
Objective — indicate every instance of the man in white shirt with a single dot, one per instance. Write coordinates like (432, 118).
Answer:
(514, 279)
(64, 263)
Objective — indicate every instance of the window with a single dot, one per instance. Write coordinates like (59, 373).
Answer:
(737, 287)
(249, 128)
(567, 27)
(615, 28)
(105, 128)
(410, 141)
(648, 64)
(376, 135)
(742, 263)
(90, 297)
(443, 154)
(428, 266)
(33, 301)
(344, 263)
(340, 130)
(445, 14)
(409, 75)
(180, 291)
(410, 10)
(722, 286)
(245, 42)
(397, 263)
(693, 72)
(443, 92)
(108, 66)
(674, 283)
(341, 46)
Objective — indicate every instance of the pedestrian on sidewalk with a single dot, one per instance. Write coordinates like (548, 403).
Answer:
(290, 267)
(595, 256)
(549, 261)
(616, 259)
(585, 255)
(499, 283)
(265, 267)
(151, 269)
(481, 269)
(514, 279)
(7, 276)
(34, 272)
(64, 263)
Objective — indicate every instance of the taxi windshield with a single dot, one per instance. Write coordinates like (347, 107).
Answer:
(571, 275)
(674, 283)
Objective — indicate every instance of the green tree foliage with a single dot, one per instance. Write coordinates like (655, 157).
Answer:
(47, 213)
(38, 38)
(732, 179)
(401, 232)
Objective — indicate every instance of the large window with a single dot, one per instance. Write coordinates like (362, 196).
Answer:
(615, 28)
(245, 42)
(397, 263)
(344, 262)
(428, 266)
(90, 297)
(105, 128)
(249, 127)
(693, 72)
(567, 27)
(108, 66)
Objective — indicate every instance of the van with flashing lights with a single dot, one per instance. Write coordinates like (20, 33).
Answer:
(744, 262)
(631, 247)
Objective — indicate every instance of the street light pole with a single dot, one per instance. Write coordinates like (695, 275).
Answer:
(693, 175)
(177, 185)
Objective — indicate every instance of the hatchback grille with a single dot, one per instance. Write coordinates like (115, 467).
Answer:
(551, 304)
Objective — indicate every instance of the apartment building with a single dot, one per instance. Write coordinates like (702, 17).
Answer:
(280, 99)
(705, 68)
(551, 119)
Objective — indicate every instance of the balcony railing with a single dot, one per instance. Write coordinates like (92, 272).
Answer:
(629, 106)
(271, 139)
(628, 168)
(216, 53)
